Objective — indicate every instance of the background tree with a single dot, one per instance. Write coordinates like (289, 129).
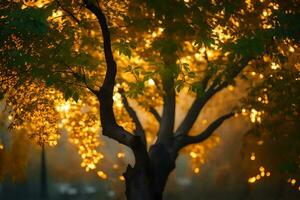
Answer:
(272, 144)
(200, 45)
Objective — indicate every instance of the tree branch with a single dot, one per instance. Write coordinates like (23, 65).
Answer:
(165, 133)
(86, 84)
(68, 12)
(139, 130)
(185, 140)
(154, 112)
(193, 112)
(110, 128)
(77, 76)
(199, 103)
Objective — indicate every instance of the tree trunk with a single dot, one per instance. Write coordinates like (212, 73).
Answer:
(43, 177)
(138, 184)
(147, 182)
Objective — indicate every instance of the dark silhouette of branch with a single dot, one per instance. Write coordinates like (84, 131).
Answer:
(110, 128)
(72, 84)
(200, 102)
(193, 112)
(165, 133)
(154, 112)
(139, 130)
(184, 140)
(86, 83)
(68, 12)
(78, 76)
(105, 94)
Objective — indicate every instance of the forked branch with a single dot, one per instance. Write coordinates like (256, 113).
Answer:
(139, 130)
(184, 140)
(200, 102)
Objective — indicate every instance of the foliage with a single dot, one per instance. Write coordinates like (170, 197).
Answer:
(52, 63)
(275, 140)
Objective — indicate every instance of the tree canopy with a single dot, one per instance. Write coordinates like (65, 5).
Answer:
(274, 141)
(80, 65)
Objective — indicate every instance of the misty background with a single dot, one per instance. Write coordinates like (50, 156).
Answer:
(222, 176)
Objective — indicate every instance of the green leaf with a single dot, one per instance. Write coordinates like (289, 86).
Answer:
(38, 72)
(136, 88)
(165, 46)
(186, 67)
(125, 51)
(29, 22)
(68, 93)
(136, 71)
(148, 75)
(192, 74)
(212, 69)
(128, 68)
(179, 84)
(124, 47)
(198, 89)
(49, 81)
(132, 44)
(75, 96)
(79, 77)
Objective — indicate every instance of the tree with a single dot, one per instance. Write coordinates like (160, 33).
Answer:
(54, 54)
(273, 141)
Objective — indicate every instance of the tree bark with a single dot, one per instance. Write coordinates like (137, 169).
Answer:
(147, 181)
(163, 163)
(138, 183)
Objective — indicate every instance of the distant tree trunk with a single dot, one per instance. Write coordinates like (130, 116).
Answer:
(147, 182)
(43, 176)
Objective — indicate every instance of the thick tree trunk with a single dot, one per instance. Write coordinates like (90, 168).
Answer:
(138, 184)
(147, 182)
